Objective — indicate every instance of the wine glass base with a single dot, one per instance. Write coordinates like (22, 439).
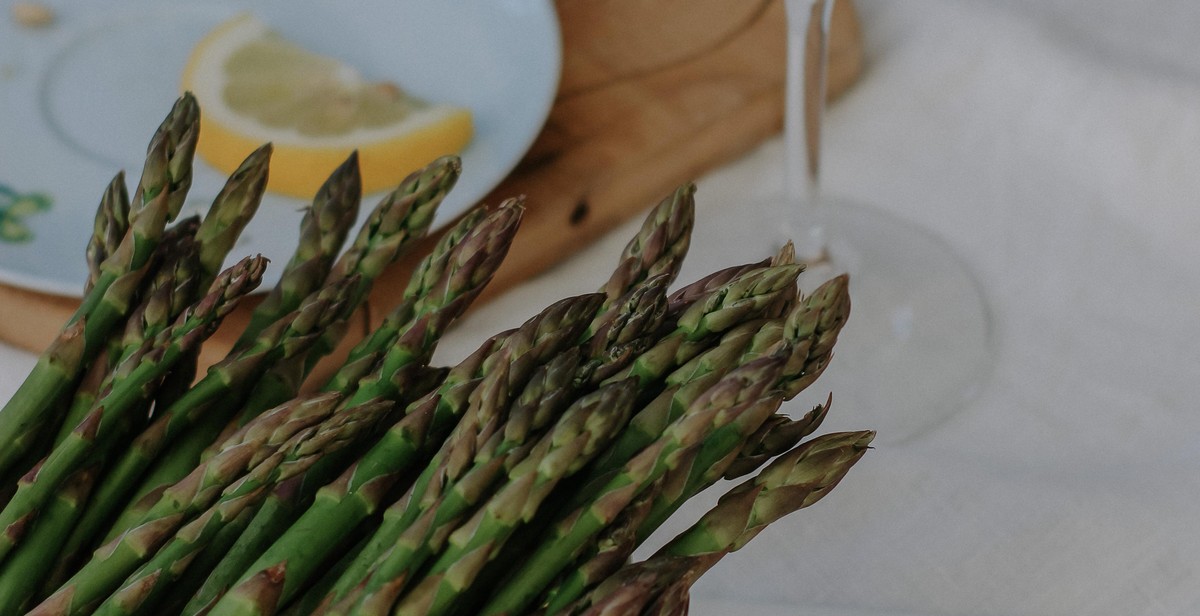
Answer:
(918, 345)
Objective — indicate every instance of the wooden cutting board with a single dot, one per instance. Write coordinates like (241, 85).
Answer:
(653, 94)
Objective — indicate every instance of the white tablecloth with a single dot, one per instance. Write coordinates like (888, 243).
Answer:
(1055, 145)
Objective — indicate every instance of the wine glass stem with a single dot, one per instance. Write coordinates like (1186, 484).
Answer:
(804, 109)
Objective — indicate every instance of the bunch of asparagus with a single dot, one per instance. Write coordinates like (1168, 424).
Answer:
(518, 481)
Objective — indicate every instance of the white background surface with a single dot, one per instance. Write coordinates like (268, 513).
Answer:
(1056, 146)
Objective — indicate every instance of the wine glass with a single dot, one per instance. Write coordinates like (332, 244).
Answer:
(918, 344)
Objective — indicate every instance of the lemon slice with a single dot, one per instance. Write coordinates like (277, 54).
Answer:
(254, 86)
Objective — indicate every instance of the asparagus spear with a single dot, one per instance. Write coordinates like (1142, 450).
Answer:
(622, 330)
(287, 502)
(25, 415)
(697, 290)
(359, 492)
(169, 294)
(96, 432)
(734, 395)
(172, 289)
(472, 263)
(812, 329)
(745, 297)
(403, 216)
(777, 435)
(805, 338)
(323, 230)
(586, 427)
(607, 553)
(112, 221)
(232, 210)
(210, 402)
(796, 480)
(466, 466)
(712, 457)
(365, 355)
(808, 336)
(399, 219)
(182, 131)
(191, 495)
(220, 229)
(626, 329)
(145, 585)
(21, 574)
(659, 246)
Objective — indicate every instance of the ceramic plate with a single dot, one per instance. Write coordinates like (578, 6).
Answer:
(80, 99)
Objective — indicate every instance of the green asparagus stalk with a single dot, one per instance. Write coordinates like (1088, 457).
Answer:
(232, 210)
(285, 504)
(95, 434)
(636, 314)
(472, 264)
(659, 246)
(807, 338)
(396, 222)
(20, 576)
(222, 225)
(618, 332)
(29, 412)
(220, 229)
(777, 435)
(734, 395)
(745, 297)
(170, 292)
(172, 289)
(112, 221)
(628, 327)
(186, 428)
(709, 463)
(585, 428)
(608, 553)
(365, 355)
(697, 290)
(794, 481)
(340, 506)
(183, 500)
(483, 444)
(323, 230)
(811, 330)
(403, 216)
(143, 587)
(182, 132)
